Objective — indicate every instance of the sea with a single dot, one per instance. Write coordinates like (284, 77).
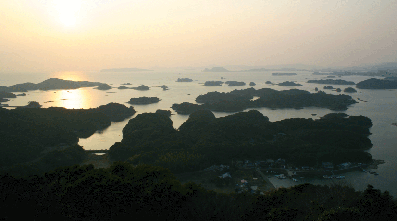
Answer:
(380, 107)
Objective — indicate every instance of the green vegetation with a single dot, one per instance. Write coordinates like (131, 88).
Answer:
(124, 192)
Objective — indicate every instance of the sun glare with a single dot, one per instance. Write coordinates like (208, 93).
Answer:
(68, 11)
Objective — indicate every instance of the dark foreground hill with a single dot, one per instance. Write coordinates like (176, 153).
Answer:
(124, 192)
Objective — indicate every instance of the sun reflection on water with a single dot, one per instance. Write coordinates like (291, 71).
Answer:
(71, 99)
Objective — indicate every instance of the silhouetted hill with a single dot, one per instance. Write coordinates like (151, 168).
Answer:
(216, 69)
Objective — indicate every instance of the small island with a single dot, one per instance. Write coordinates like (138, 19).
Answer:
(144, 100)
(4, 95)
(331, 76)
(374, 83)
(331, 81)
(252, 84)
(123, 70)
(184, 80)
(350, 90)
(216, 69)
(338, 90)
(328, 87)
(213, 83)
(283, 74)
(268, 82)
(103, 87)
(289, 83)
(141, 88)
(235, 83)
(123, 87)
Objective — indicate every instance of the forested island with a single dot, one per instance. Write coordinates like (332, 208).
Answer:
(205, 140)
(235, 83)
(51, 84)
(374, 83)
(289, 83)
(144, 100)
(331, 81)
(239, 100)
(213, 83)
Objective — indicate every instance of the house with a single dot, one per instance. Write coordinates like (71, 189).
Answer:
(270, 162)
(344, 166)
(328, 165)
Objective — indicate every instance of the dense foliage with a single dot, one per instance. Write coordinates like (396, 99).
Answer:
(124, 192)
(204, 140)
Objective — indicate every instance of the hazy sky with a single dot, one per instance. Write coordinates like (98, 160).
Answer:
(71, 35)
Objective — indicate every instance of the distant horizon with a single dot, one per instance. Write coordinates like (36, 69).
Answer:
(48, 36)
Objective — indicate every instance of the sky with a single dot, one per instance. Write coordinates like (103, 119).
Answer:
(72, 35)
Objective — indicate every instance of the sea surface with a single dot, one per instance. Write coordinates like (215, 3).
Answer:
(380, 107)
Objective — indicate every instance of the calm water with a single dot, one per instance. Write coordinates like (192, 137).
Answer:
(380, 108)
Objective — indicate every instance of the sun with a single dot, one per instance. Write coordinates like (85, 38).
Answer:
(68, 11)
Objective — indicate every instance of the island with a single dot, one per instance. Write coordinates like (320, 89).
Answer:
(374, 83)
(144, 100)
(328, 87)
(252, 84)
(141, 88)
(350, 90)
(235, 83)
(50, 84)
(216, 69)
(123, 70)
(268, 82)
(239, 100)
(4, 95)
(103, 87)
(164, 87)
(338, 90)
(289, 83)
(283, 74)
(123, 87)
(331, 76)
(331, 81)
(205, 140)
(126, 84)
(213, 83)
(184, 80)
(316, 89)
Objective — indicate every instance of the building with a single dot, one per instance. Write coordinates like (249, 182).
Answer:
(328, 165)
